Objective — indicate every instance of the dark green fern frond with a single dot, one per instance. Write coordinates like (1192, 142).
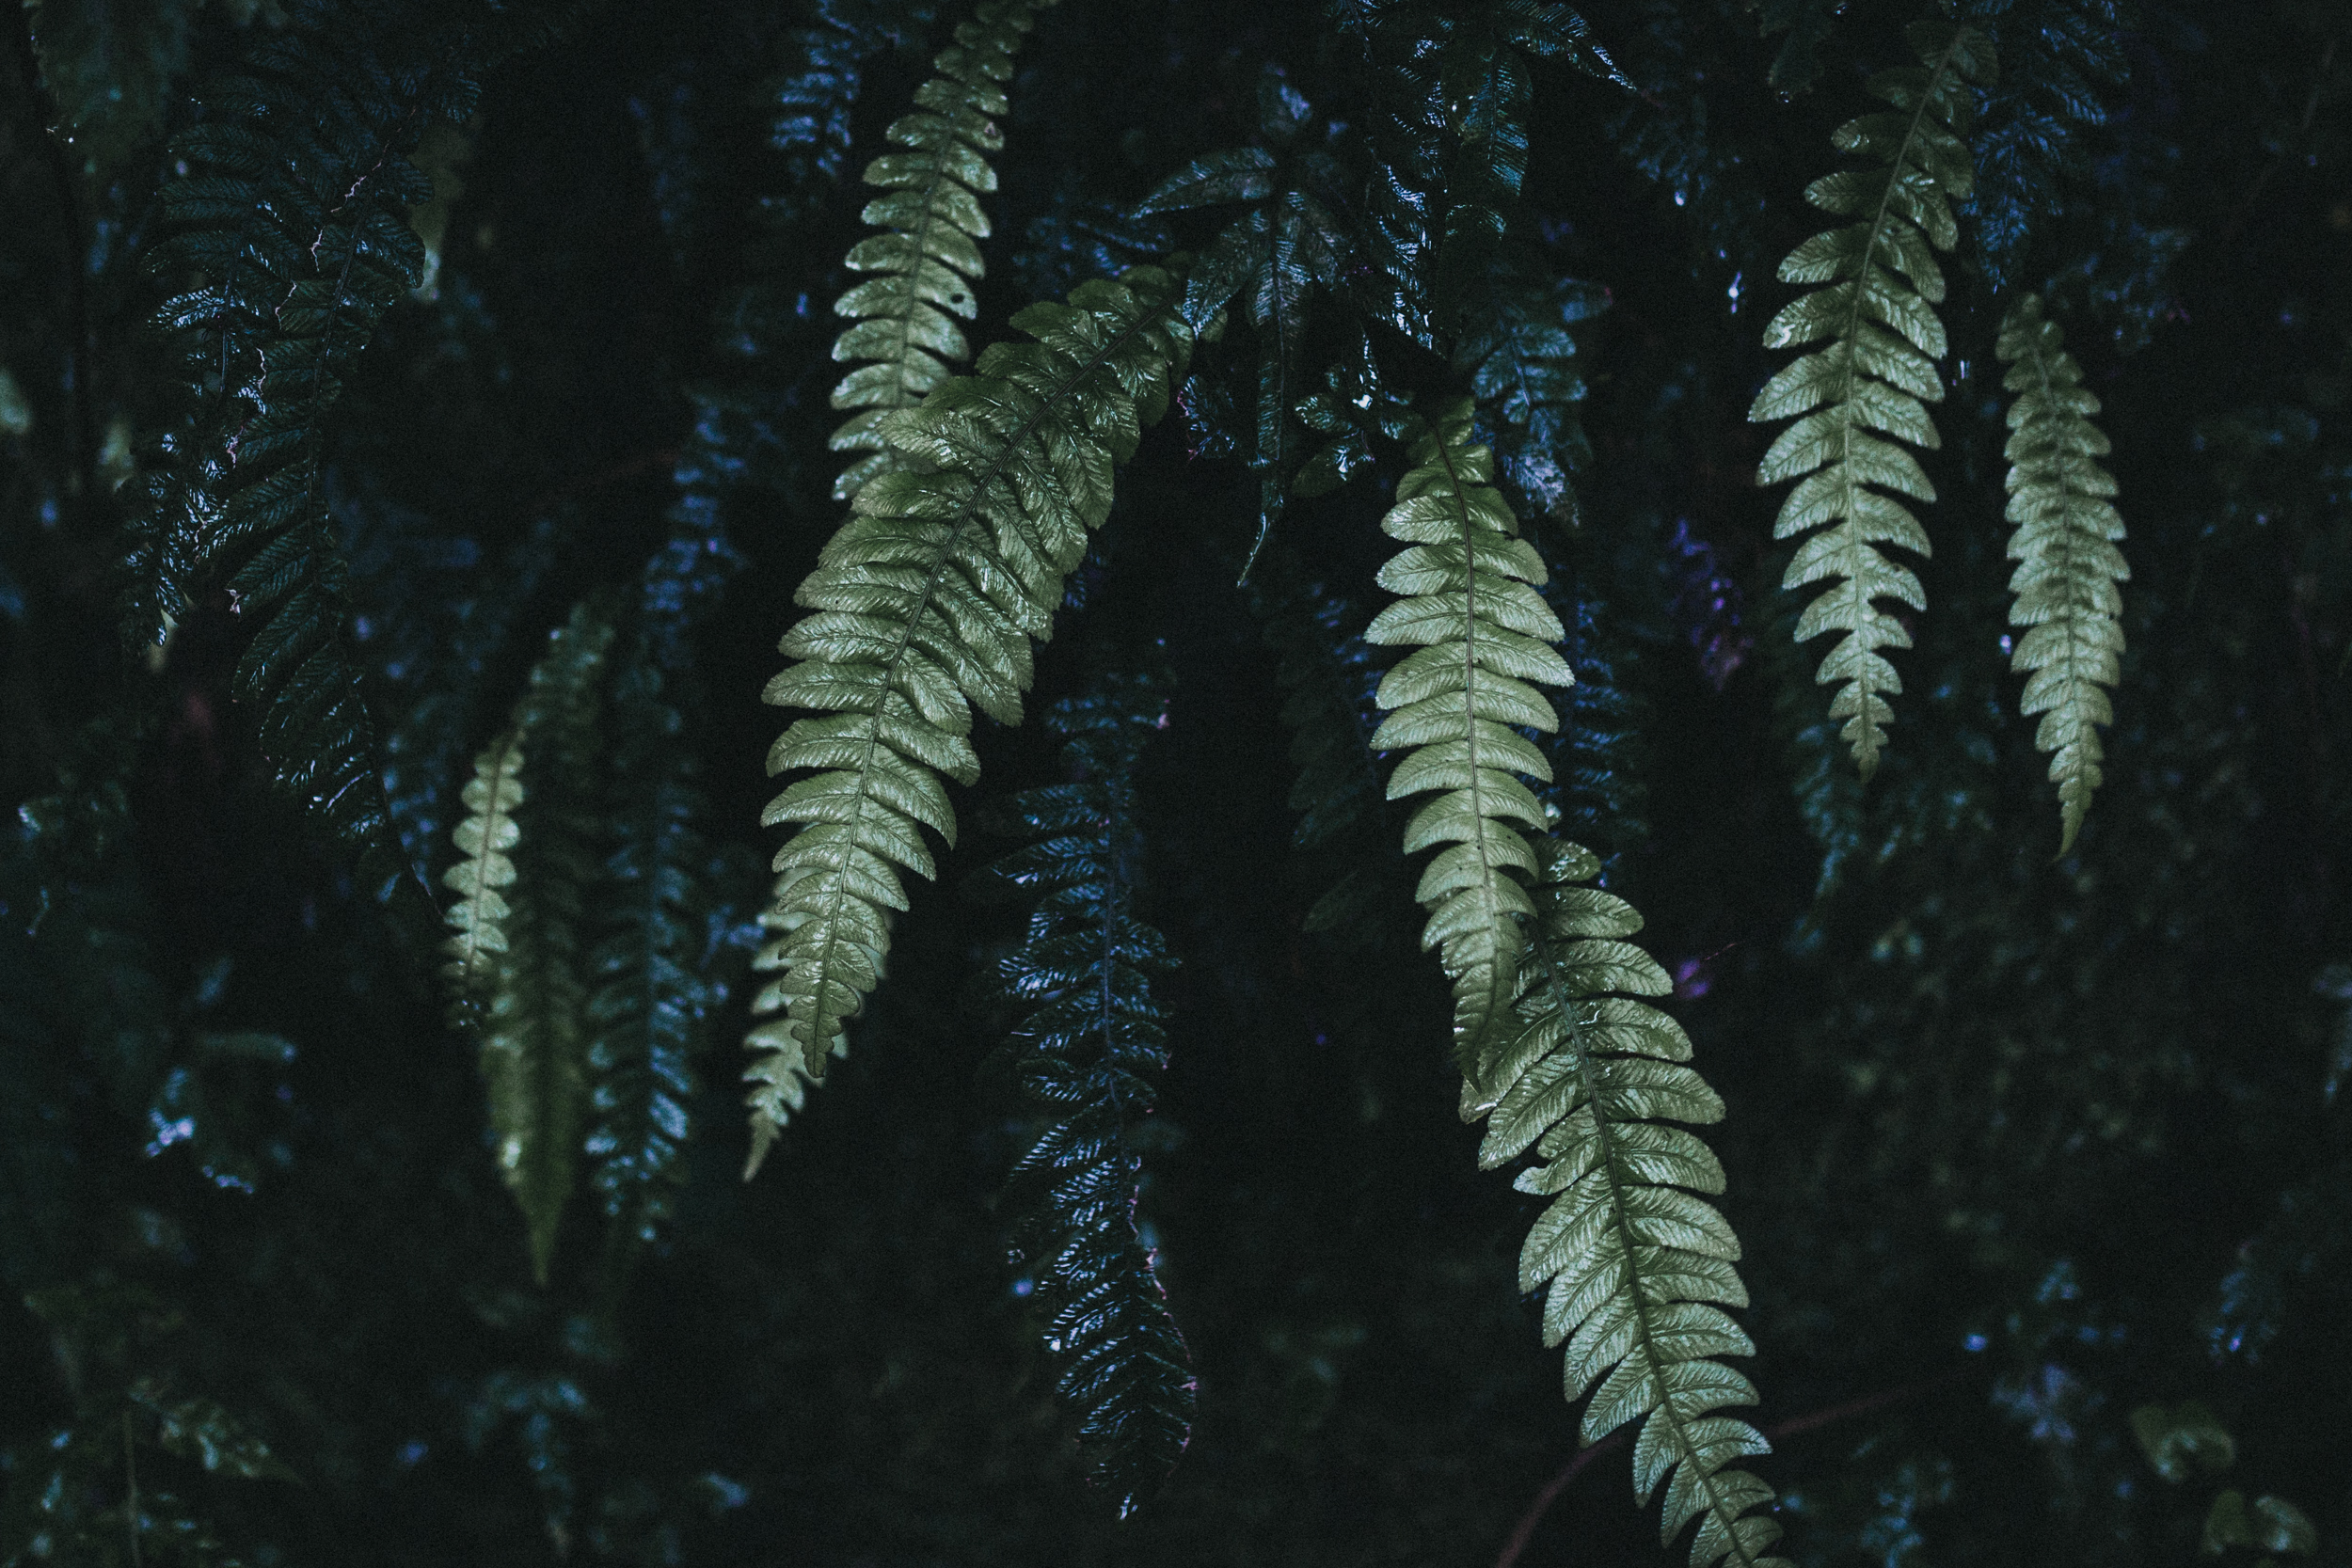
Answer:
(1288, 245)
(2065, 60)
(1798, 65)
(923, 607)
(1088, 1051)
(2069, 597)
(1521, 358)
(534, 1036)
(929, 254)
(811, 101)
(1482, 641)
(289, 237)
(1636, 1264)
(649, 1012)
(1876, 376)
(484, 840)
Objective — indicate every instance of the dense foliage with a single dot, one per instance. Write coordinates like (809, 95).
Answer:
(1343, 499)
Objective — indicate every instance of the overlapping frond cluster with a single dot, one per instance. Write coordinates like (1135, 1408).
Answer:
(1483, 644)
(1635, 1263)
(1874, 378)
(2067, 583)
(578, 934)
(534, 1032)
(929, 255)
(1088, 1052)
(923, 607)
(288, 238)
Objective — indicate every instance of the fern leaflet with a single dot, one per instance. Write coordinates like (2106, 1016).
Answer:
(1088, 1052)
(1637, 1264)
(2069, 596)
(1481, 638)
(1880, 282)
(484, 840)
(924, 604)
(929, 254)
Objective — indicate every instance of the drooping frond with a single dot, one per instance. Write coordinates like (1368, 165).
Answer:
(648, 1013)
(2068, 576)
(535, 1038)
(1482, 641)
(1088, 1053)
(929, 254)
(1880, 284)
(1635, 1263)
(288, 237)
(484, 840)
(923, 607)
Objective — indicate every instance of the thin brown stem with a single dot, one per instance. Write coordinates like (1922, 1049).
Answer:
(1525, 1531)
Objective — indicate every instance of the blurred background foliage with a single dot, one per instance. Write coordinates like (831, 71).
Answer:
(2041, 1165)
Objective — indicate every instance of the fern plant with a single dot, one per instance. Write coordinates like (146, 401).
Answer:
(1880, 284)
(1090, 1042)
(923, 607)
(2069, 597)
(929, 255)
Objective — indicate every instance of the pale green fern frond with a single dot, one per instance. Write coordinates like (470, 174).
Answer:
(479, 913)
(1636, 1263)
(929, 255)
(1876, 375)
(925, 605)
(534, 1036)
(1482, 640)
(2069, 578)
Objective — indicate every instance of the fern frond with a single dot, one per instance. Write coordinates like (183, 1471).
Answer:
(479, 913)
(929, 254)
(649, 1011)
(2065, 60)
(1636, 1263)
(1482, 641)
(2069, 597)
(1880, 282)
(534, 1036)
(1520, 360)
(925, 605)
(293, 218)
(1088, 1051)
